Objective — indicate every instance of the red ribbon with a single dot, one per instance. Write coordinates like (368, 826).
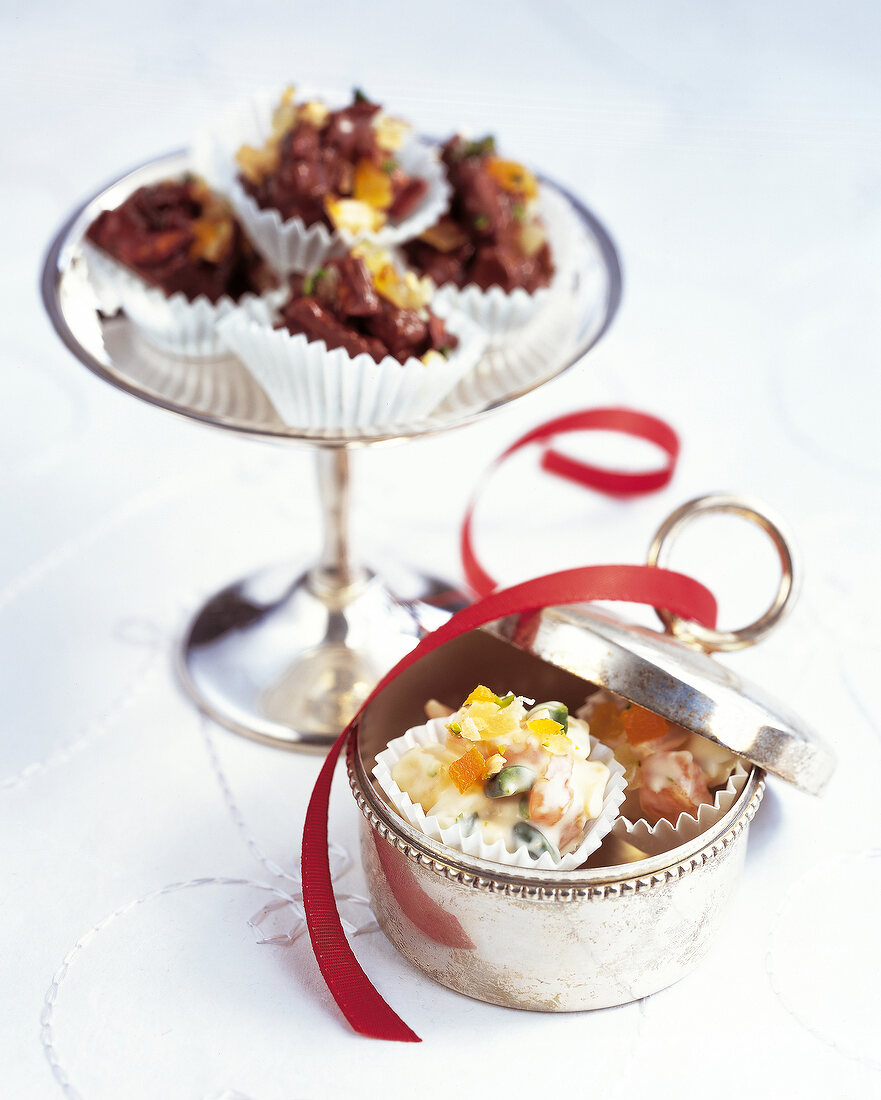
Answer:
(611, 482)
(352, 990)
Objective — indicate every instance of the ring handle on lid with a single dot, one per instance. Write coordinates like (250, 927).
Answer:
(726, 640)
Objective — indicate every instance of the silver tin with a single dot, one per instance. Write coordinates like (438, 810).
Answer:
(605, 934)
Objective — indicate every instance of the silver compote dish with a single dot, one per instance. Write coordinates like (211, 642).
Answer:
(287, 656)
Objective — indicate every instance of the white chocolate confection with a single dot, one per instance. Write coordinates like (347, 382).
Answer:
(516, 775)
(669, 769)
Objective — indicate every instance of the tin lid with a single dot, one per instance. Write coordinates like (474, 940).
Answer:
(674, 675)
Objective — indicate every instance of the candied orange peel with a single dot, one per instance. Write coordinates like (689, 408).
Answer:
(481, 694)
(372, 185)
(544, 728)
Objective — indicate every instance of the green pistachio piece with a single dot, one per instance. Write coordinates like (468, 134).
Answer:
(515, 779)
(480, 148)
(310, 281)
(536, 842)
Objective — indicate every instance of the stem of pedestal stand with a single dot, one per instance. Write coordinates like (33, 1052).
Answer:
(335, 574)
(289, 659)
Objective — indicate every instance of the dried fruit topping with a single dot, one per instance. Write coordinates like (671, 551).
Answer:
(468, 769)
(363, 303)
(316, 161)
(481, 694)
(544, 728)
(513, 177)
(492, 234)
(445, 236)
(373, 186)
(605, 721)
(212, 239)
(391, 133)
(256, 164)
(284, 117)
(641, 725)
(353, 216)
(182, 237)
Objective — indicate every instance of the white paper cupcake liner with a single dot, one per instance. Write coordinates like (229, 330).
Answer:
(317, 389)
(172, 323)
(661, 837)
(292, 245)
(434, 732)
(500, 312)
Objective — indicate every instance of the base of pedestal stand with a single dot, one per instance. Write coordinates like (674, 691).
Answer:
(287, 661)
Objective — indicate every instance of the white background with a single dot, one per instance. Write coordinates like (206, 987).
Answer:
(733, 153)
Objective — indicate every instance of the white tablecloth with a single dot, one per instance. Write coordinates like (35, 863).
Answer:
(733, 153)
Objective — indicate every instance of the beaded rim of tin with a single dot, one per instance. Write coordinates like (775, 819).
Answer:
(549, 885)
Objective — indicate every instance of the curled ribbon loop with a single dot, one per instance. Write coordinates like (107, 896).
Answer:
(611, 482)
(352, 990)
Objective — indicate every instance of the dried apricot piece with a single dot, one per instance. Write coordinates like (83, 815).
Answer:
(511, 176)
(468, 769)
(642, 725)
(212, 240)
(605, 721)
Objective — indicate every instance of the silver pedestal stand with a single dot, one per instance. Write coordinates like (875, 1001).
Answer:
(286, 658)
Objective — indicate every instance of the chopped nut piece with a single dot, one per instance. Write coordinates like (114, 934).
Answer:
(435, 709)
(532, 238)
(256, 164)
(315, 113)
(494, 764)
(284, 117)
(391, 133)
(445, 236)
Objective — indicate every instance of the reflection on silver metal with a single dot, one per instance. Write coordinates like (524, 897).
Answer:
(555, 942)
(727, 640)
(681, 683)
(288, 663)
(223, 394)
(282, 659)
